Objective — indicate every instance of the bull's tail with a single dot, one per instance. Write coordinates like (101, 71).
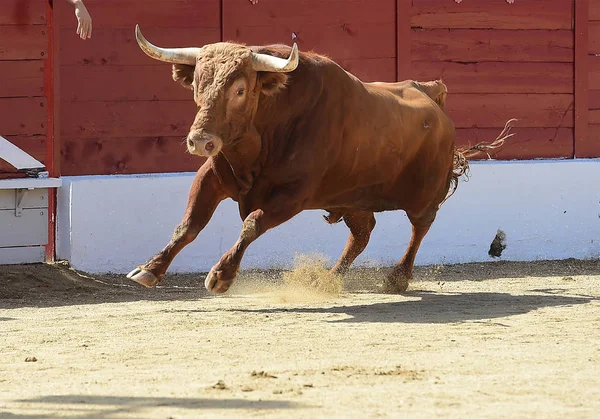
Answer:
(460, 165)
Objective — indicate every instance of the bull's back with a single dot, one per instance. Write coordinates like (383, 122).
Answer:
(398, 141)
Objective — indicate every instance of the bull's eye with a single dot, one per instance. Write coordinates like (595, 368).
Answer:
(240, 92)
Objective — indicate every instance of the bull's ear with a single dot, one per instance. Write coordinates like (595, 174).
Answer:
(271, 83)
(184, 75)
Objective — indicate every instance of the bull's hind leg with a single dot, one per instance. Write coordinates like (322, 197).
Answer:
(205, 194)
(361, 224)
(398, 279)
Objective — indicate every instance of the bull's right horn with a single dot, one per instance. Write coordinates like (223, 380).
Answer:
(168, 55)
(265, 62)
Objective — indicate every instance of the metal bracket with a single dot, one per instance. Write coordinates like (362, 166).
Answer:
(19, 195)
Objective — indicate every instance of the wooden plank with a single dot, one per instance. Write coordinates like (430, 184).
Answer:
(33, 145)
(53, 143)
(23, 12)
(484, 45)
(594, 99)
(594, 37)
(119, 47)
(120, 83)
(371, 69)
(353, 40)
(527, 143)
(23, 42)
(530, 14)
(35, 198)
(403, 40)
(594, 135)
(493, 110)
(594, 72)
(148, 14)
(20, 255)
(27, 230)
(23, 116)
(594, 10)
(582, 37)
(16, 157)
(22, 78)
(491, 77)
(127, 119)
(294, 14)
(127, 156)
(594, 119)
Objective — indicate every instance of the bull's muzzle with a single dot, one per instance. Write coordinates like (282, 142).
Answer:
(203, 144)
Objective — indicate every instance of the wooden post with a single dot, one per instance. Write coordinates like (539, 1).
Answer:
(51, 91)
(584, 145)
(403, 39)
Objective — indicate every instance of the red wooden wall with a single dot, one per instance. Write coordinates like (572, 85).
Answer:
(23, 56)
(120, 112)
(592, 139)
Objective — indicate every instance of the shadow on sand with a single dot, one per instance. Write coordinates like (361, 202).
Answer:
(92, 407)
(434, 307)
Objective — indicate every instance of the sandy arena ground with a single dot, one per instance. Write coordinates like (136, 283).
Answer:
(480, 340)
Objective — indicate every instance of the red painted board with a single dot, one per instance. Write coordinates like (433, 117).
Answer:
(23, 116)
(119, 47)
(594, 45)
(371, 69)
(297, 13)
(594, 72)
(493, 110)
(582, 36)
(340, 41)
(594, 10)
(23, 12)
(483, 45)
(594, 137)
(492, 14)
(126, 119)
(33, 145)
(23, 42)
(22, 78)
(107, 156)
(494, 77)
(120, 83)
(594, 117)
(527, 143)
(594, 99)
(148, 14)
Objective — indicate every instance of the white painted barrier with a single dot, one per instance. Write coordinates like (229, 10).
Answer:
(548, 209)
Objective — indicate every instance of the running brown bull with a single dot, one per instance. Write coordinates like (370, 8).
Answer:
(285, 132)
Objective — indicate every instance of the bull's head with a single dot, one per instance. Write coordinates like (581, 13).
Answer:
(227, 81)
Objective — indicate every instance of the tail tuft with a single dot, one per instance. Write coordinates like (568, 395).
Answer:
(460, 165)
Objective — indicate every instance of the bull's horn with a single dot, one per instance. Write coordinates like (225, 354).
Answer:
(168, 55)
(264, 62)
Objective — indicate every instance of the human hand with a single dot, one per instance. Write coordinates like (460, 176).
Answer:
(84, 21)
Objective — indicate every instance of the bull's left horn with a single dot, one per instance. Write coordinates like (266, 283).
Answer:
(168, 55)
(264, 62)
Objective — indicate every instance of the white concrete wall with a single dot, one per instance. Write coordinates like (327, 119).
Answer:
(548, 210)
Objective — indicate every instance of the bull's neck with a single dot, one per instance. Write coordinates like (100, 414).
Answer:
(242, 157)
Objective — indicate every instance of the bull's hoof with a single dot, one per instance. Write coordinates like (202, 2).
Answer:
(394, 285)
(215, 282)
(143, 277)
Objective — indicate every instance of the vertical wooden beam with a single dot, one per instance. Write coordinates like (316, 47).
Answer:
(51, 91)
(403, 39)
(584, 146)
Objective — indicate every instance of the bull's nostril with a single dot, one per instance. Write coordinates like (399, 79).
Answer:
(190, 143)
(209, 146)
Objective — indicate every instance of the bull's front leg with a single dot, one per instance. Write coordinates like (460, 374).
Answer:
(205, 194)
(278, 210)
